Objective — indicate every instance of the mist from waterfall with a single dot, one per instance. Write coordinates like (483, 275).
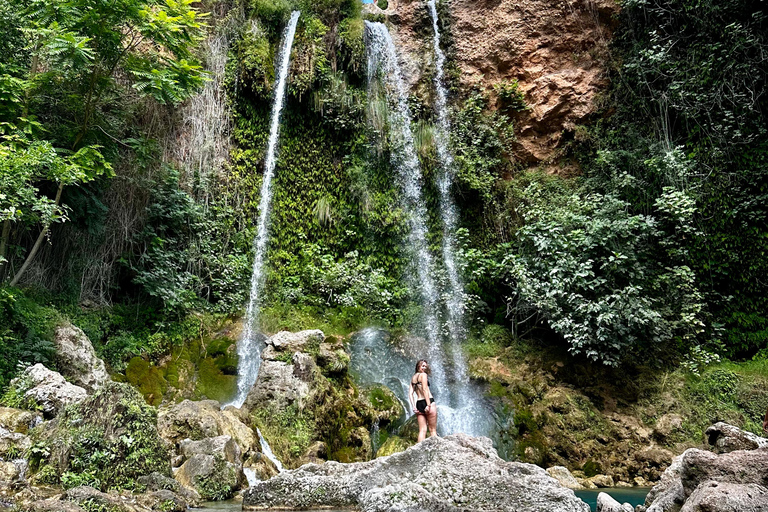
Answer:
(249, 346)
(384, 71)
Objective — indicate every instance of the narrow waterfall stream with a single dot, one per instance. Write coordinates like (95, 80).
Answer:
(249, 347)
(384, 69)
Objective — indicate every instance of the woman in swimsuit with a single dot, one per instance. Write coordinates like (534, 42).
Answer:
(422, 401)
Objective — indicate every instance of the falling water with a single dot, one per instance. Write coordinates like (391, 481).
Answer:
(454, 300)
(267, 451)
(249, 348)
(462, 406)
(383, 65)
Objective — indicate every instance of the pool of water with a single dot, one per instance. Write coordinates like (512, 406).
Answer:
(632, 495)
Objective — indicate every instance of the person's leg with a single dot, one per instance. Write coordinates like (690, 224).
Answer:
(432, 420)
(422, 419)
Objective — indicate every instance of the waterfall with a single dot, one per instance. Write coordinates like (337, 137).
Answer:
(454, 300)
(249, 347)
(383, 66)
(461, 404)
(267, 451)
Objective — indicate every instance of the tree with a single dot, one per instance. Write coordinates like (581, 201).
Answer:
(53, 98)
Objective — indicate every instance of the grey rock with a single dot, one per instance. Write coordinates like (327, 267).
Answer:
(77, 360)
(50, 389)
(158, 482)
(668, 495)
(285, 341)
(13, 444)
(564, 477)
(606, 503)
(53, 505)
(726, 438)
(223, 446)
(281, 384)
(600, 481)
(738, 467)
(727, 497)
(210, 476)
(453, 473)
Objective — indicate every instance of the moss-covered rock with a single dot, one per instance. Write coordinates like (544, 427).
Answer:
(393, 444)
(209, 475)
(108, 441)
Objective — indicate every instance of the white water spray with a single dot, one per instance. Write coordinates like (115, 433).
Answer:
(383, 66)
(249, 348)
(267, 451)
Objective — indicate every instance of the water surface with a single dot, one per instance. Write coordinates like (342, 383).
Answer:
(632, 495)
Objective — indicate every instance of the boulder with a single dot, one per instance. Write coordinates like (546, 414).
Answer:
(739, 467)
(222, 446)
(727, 497)
(52, 505)
(49, 389)
(600, 481)
(606, 503)
(9, 472)
(303, 341)
(668, 494)
(76, 359)
(564, 477)
(727, 438)
(457, 472)
(205, 419)
(18, 420)
(212, 477)
(159, 482)
(13, 444)
(89, 498)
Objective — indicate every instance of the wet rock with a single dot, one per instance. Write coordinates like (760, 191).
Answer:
(213, 478)
(18, 420)
(564, 477)
(457, 472)
(49, 389)
(605, 503)
(76, 359)
(727, 438)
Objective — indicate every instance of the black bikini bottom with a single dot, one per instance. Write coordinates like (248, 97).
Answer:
(421, 405)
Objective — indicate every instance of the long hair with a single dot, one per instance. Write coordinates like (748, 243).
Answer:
(418, 364)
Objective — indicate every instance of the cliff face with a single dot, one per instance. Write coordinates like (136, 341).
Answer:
(556, 49)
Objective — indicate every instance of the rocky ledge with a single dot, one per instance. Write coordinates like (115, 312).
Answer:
(452, 473)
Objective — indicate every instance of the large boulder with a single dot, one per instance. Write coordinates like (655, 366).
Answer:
(205, 419)
(222, 446)
(111, 435)
(702, 481)
(606, 503)
(457, 472)
(210, 476)
(726, 438)
(76, 359)
(48, 389)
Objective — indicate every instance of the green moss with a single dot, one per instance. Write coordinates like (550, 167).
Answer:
(380, 399)
(218, 486)
(393, 444)
(592, 468)
(148, 379)
(214, 384)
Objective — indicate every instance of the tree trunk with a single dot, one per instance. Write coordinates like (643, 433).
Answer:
(4, 246)
(38, 242)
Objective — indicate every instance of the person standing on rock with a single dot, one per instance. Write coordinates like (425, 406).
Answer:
(422, 401)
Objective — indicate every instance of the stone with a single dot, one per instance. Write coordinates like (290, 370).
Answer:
(601, 481)
(564, 477)
(13, 444)
(667, 425)
(50, 390)
(93, 499)
(211, 477)
(457, 472)
(76, 359)
(606, 503)
(285, 341)
(159, 482)
(726, 438)
(727, 497)
(18, 420)
(197, 420)
(668, 495)
(393, 444)
(9, 472)
(739, 467)
(281, 384)
(223, 446)
(52, 505)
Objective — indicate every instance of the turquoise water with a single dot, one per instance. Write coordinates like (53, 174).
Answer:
(632, 495)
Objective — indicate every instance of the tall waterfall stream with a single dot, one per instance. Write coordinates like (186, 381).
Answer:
(462, 405)
(249, 347)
